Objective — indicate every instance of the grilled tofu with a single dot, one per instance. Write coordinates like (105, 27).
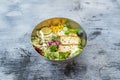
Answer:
(70, 40)
(67, 48)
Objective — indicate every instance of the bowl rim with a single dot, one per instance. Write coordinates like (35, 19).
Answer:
(86, 38)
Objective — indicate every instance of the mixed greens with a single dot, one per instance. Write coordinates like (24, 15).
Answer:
(57, 42)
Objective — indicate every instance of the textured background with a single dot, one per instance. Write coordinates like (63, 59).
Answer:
(100, 59)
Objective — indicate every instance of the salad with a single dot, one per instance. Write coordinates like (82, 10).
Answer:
(57, 41)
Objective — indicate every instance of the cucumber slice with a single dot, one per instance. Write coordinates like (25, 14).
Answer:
(46, 30)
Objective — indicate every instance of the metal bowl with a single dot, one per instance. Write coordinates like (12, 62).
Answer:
(54, 21)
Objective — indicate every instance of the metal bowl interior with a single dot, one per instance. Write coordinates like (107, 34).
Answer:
(55, 21)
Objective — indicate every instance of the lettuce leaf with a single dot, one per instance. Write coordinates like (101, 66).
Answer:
(53, 48)
(63, 55)
(52, 55)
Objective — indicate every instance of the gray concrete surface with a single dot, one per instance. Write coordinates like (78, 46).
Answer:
(100, 59)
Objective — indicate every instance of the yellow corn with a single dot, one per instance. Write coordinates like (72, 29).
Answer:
(55, 29)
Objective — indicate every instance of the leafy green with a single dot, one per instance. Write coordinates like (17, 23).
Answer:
(55, 38)
(57, 55)
(45, 52)
(75, 52)
(53, 48)
(80, 46)
(67, 24)
(74, 30)
(52, 55)
(67, 28)
(68, 31)
(63, 55)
